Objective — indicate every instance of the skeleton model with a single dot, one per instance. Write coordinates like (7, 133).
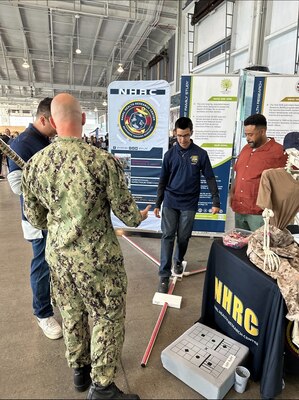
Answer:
(271, 259)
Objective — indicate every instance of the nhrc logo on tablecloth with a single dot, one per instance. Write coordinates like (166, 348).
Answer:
(137, 120)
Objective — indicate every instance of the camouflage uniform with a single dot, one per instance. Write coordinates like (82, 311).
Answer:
(281, 243)
(70, 188)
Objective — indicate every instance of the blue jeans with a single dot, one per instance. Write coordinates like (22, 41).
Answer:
(174, 222)
(40, 279)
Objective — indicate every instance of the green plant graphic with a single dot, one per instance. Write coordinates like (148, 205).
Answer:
(226, 84)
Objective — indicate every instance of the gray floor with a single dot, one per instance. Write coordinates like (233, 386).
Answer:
(34, 367)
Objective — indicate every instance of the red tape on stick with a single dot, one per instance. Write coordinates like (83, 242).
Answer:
(157, 327)
(197, 271)
(164, 307)
(154, 336)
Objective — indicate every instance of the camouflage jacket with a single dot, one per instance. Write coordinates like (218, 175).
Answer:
(283, 244)
(70, 188)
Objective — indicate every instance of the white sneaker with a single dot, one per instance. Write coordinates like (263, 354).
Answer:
(50, 327)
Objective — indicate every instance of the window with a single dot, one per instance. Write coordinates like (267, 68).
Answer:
(202, 8)
(213, 51)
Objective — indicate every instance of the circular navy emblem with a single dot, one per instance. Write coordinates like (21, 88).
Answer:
(137, 120)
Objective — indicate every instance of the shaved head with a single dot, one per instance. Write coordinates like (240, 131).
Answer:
(67, 116)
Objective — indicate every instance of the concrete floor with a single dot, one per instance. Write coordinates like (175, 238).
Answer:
(34, 367)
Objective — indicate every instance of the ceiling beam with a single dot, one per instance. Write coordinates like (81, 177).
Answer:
(56, 86)
(51, 49)
(71, 55)
(4, 56)
(114, 10)
(59, 59)
(31, 74)
(52, 59)
(91, 57)
(112, 55)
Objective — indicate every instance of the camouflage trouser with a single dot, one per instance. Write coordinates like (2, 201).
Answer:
(281, 243)
(81, 290)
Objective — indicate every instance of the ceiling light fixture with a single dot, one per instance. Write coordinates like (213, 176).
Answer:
(25, 64)
(25, 58)
(78, 51)
(120, 68)
(105, 103)
(95, 109)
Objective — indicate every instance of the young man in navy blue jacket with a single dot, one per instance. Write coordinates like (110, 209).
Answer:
(33, 139)
(179, 189)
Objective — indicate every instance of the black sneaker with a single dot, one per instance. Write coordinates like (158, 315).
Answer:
(178, 268)
(2, 177)
(163, 285)
(82, 379)
(97, 392)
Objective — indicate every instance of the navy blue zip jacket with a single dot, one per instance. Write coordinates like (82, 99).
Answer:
(26, 145)
(179, 184)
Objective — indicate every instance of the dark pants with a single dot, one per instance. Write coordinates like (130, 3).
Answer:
(174, 222)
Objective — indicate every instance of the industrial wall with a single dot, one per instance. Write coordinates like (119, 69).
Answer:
(235, 35)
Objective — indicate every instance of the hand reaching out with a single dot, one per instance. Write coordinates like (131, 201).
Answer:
(144, 213)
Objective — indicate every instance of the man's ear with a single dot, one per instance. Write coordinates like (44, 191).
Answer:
(42, 120)
(52, 122)
(264, 131)
(83, 118)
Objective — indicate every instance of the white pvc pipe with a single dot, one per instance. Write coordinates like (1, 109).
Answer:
(141, 250)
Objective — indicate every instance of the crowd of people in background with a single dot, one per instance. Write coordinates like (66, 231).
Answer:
(8, 136)
(99, 142)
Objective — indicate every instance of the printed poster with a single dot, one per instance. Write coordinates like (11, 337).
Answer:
(278, 99)
(138, 137)
(211, 103)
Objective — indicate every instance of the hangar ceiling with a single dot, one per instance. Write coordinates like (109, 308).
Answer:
(76, 46)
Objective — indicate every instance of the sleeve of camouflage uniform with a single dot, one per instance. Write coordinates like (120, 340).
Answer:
(122, 203)
(33, 210)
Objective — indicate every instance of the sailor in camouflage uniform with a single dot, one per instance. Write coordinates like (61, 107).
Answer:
(70, 188)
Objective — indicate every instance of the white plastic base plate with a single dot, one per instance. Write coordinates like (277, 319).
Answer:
(172, 300)
(184, 264)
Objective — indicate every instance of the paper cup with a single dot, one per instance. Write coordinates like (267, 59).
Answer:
(241, 378)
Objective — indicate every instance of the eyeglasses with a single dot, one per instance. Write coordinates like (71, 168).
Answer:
(183, 136)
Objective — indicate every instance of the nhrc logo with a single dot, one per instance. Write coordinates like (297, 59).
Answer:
(137, 120)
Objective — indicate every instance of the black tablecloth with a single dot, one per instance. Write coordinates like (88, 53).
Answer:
(245, 304)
